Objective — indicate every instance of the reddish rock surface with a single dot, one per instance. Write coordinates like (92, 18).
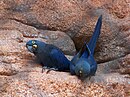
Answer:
(77, 18)
(57, 22)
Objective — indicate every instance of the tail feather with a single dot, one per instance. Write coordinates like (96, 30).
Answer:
(95, 36)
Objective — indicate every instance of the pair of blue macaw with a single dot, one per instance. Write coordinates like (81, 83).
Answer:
(83, 63)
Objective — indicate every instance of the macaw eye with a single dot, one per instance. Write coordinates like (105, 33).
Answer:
(33, 42)
(34, 46)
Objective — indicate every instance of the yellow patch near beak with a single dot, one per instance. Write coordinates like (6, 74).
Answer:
(34, 46)
(80, 71)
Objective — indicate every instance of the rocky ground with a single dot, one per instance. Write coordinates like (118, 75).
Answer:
(66, 24)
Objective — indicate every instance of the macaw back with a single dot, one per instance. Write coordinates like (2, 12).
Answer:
(91, 44)
(53, 57)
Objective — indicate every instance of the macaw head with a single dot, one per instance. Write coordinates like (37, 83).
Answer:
(82, 68)
(35, 46)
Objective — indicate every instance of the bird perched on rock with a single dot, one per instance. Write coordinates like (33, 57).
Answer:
(48, 55)
(83, 63)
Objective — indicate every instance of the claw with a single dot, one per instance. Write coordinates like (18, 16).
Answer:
(49, 69)
(43, 68)
(89, 77)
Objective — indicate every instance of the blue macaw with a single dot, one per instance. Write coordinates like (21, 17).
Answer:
(50, 56)
(83, 63)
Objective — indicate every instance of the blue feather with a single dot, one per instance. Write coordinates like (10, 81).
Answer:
(95, 36)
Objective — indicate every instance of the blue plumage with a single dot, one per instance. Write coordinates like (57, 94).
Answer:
(48, 55)
(84, 64)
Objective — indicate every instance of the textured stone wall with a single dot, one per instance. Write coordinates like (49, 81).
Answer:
(66, 24)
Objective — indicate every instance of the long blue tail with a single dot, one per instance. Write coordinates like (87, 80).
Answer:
(95, 36)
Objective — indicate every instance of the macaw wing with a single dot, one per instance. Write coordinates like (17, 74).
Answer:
(95, 36)
(87, 52)
(59, 58)
(79, 54)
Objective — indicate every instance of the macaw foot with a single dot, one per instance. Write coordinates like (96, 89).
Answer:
(89, 77)
(49, 69)
(43, 68)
